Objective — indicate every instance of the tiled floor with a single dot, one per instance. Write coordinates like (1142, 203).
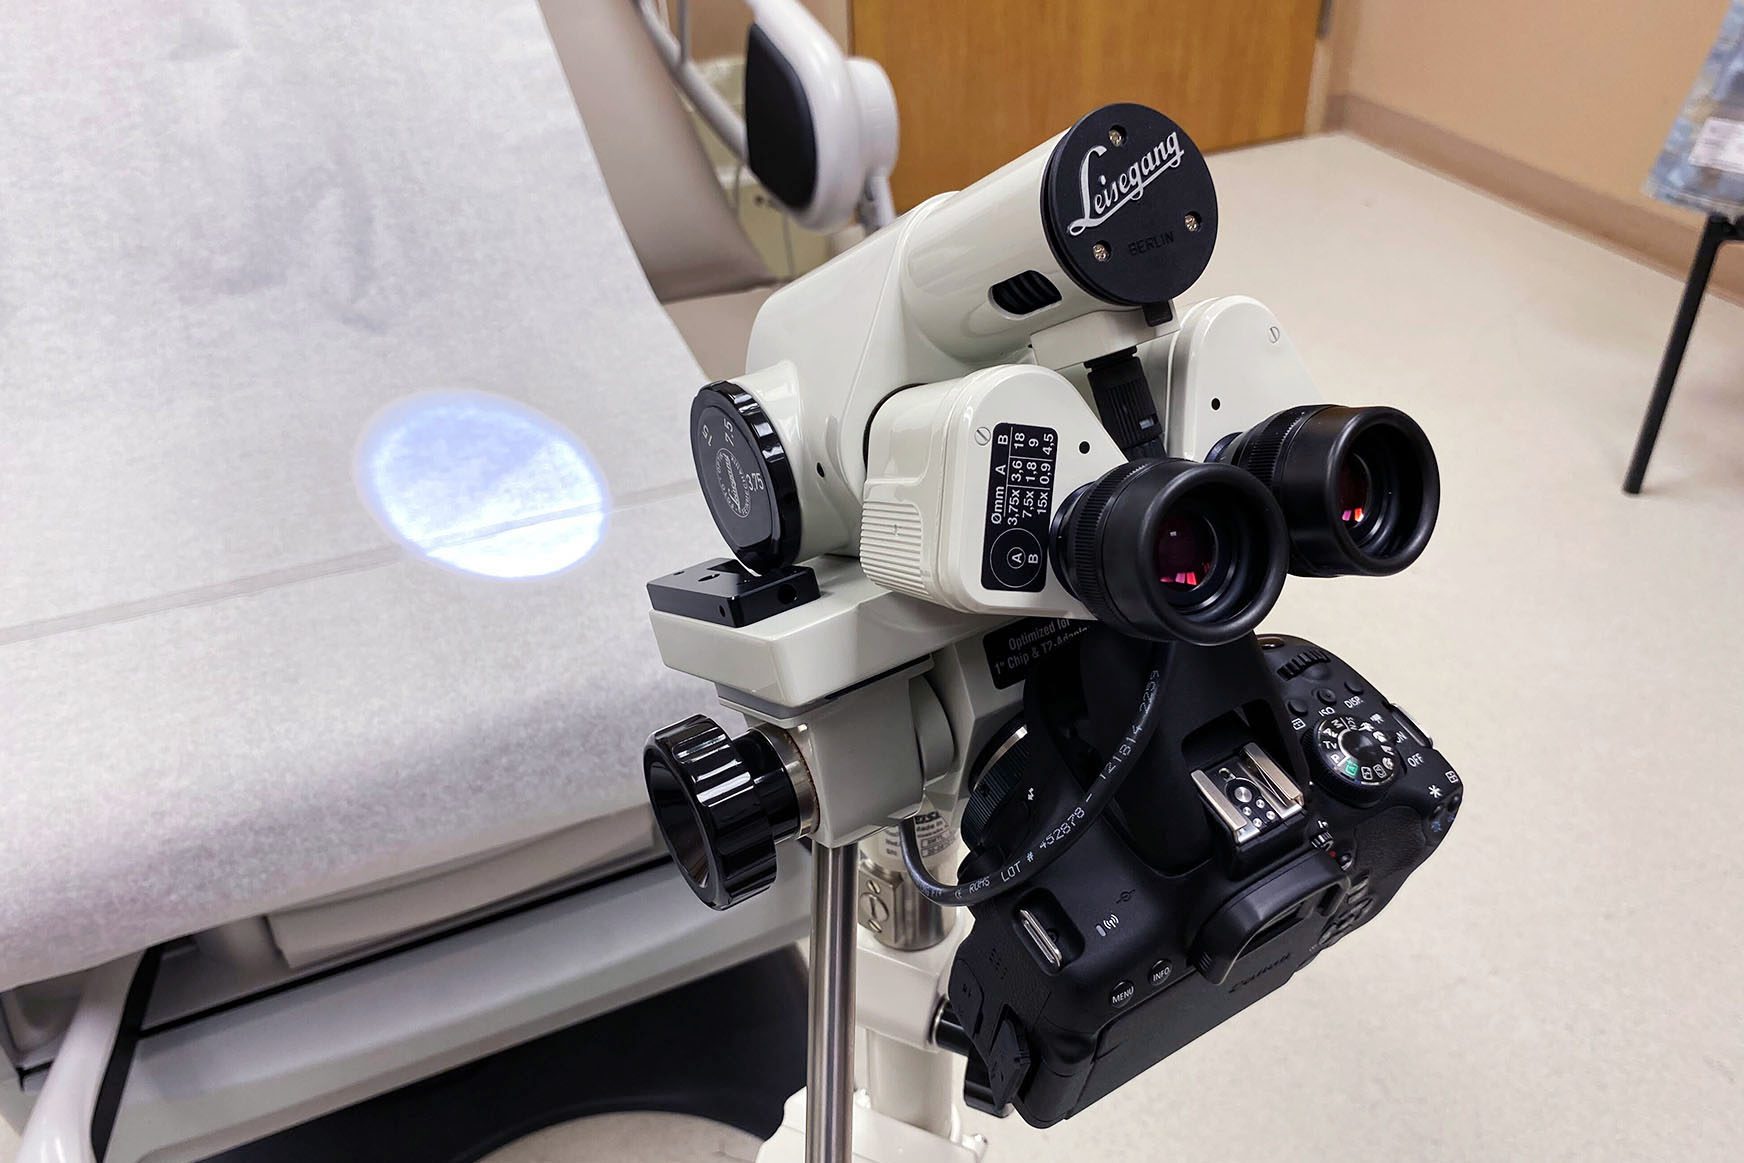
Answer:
(1560, 982)
(638, 1138)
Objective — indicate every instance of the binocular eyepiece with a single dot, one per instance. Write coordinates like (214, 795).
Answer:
(1197, 553)
(1173, 549)
(1358, 487)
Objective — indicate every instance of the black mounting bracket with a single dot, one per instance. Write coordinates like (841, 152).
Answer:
(726, 593)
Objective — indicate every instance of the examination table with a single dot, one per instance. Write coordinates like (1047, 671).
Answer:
(347, 740)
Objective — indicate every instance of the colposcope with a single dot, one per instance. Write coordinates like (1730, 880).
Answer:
(1005, 519)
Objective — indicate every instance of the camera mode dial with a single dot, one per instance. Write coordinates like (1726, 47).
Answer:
(1358, 754)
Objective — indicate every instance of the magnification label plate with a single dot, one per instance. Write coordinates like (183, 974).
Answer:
(1020, 498)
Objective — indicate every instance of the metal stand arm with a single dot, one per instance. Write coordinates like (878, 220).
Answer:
(874, 927)
(829, 1122)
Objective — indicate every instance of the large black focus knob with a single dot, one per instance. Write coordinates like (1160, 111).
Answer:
(721, 805)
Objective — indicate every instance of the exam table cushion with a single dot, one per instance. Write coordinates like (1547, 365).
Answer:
(265, 272)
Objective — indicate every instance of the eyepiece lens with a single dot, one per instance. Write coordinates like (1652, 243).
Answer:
(1358, 486)
(1173, 549)
(1186, 552)
(1355, 492)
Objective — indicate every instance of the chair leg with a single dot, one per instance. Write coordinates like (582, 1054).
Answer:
(1718, 230)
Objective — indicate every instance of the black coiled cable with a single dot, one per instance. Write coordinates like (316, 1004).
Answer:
(1056, 840)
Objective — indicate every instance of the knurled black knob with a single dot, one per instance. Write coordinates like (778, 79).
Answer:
(746, 476)
(1302, 661)
(1004, 770)
(721, 805)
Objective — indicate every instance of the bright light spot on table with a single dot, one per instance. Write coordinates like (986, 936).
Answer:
(482, 483)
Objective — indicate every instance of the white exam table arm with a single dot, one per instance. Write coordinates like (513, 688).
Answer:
(75, 1112)
(849, 101)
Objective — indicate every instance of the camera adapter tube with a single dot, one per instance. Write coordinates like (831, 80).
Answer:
(1173, 549)
(1359, 487)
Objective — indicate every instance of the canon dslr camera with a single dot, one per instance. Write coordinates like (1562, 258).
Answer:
(1280, 804)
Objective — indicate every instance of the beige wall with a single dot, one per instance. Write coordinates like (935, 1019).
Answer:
(1566, 99)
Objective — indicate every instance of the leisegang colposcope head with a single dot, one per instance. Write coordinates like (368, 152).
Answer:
(1117, 212)
(993, 406)
(972, 403)
(1071, 253)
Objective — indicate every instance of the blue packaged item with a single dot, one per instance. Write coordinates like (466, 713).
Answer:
(1701, 164)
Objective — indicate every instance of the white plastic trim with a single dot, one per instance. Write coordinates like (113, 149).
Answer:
(853, 111)
(59, 1130)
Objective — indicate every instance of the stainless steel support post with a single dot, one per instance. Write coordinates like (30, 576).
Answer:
(829, 1096)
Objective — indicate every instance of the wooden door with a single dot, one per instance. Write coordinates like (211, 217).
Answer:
(980, 81)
